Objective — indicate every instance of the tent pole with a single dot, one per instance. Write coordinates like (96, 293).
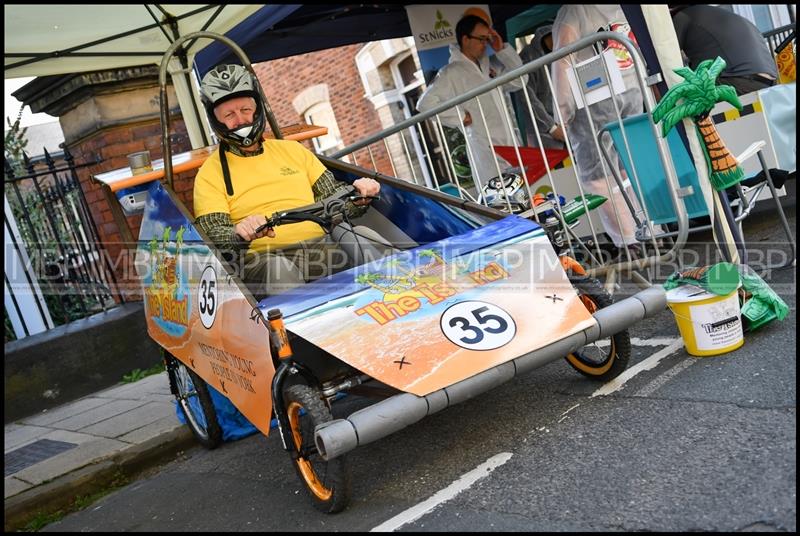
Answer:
(191, 115)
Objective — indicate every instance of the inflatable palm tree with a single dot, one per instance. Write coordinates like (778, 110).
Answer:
(698, 95)
(694, 98)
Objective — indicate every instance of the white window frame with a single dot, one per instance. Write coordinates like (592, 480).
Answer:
(402, 89)
(332, 141)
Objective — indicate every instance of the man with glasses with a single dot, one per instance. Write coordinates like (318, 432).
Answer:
(470, 66)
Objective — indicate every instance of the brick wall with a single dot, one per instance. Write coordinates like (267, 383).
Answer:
(285, 78)
(111, 147)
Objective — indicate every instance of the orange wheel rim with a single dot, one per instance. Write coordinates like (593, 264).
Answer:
(305, 467)
(568, 263)
(595, 371)
(591, 306)
(589, 303)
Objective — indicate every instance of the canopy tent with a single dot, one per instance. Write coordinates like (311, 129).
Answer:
(317, 27)
(42, 40)
(59, 39)
(529, 20)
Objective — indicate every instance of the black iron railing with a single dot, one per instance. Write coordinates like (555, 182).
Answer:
(777, 37)
(62, 244)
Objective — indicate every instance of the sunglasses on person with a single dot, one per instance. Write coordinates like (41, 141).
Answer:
(485, 39)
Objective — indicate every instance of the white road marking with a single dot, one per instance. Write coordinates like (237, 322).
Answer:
(619, 382)
(464, 482)
(651, 387)
(468, 479)
(564, 415)
(655, 341)
(635, 341)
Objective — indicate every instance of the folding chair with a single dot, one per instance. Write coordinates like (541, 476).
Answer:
(651, 187)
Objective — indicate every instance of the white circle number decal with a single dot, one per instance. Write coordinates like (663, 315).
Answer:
(207, 300)
(477, 325)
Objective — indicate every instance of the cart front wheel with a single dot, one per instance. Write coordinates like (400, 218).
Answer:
(607, 358)
(328, 482)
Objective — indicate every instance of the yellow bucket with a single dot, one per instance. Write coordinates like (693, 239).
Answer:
(709, 324)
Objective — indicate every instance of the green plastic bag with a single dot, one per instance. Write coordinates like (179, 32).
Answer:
(761, 304)
(720, 279)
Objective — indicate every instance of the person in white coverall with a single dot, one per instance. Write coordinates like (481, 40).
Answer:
(469, 66)
(572, 23)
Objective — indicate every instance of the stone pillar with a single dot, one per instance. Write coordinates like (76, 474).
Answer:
(105, 116)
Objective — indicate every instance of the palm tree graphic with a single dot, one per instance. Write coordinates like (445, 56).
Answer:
(153, 243)
(388, 283)
(429, 253)
(369, 279)
(166, 236)
(441, 22)
(179, 238)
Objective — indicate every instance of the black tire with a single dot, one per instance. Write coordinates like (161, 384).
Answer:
(194, 399)
(328, 482)
(600, 363)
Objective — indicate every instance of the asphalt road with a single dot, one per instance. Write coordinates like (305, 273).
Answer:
(688, 445)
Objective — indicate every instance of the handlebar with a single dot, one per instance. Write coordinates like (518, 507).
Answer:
(322, 212)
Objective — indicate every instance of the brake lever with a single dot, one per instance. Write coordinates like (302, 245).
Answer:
(268, 225)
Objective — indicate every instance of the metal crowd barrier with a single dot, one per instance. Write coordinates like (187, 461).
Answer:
(423, 171)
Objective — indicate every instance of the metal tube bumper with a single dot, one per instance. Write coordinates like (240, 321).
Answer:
(379, 420)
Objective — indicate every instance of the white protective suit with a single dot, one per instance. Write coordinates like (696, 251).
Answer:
(572, 23)
(461, 75)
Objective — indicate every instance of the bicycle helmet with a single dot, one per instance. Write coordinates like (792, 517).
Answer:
(226, 82)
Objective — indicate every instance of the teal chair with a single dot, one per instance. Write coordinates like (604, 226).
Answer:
(452, 189)
(449, 188)
(652, 186)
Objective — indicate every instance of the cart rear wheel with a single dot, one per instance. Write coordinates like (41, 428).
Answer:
(194, 399)
(607, 358)
(328, 482)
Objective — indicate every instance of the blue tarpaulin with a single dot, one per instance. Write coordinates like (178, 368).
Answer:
(244, 32)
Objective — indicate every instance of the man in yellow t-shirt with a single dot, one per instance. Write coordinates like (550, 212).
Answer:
(248, 179)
